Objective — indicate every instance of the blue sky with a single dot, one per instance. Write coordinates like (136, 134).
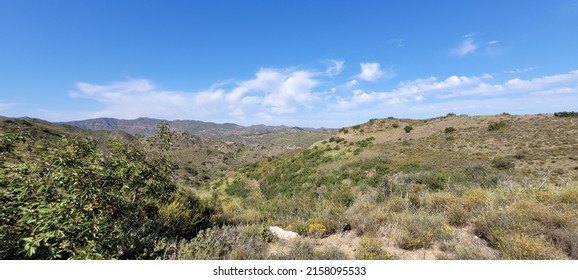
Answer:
(305, 63)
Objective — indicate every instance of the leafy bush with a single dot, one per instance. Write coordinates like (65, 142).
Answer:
(408, 128)
(395, 125)
(70, 200)
(449, 129)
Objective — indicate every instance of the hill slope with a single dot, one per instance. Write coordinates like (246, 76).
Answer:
(453, 187)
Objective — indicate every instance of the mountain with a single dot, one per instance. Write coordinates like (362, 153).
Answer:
(256, 134)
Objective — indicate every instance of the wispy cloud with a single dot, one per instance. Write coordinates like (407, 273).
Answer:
(523, 70)
(336, 68)
(465, 47)
(398, 42)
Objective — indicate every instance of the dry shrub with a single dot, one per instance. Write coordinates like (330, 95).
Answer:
(396, 204)
(365, 218)
(529, 229)
(419, 230)
(300, 249)
(518, 246)
(331, 253)
(371, 249)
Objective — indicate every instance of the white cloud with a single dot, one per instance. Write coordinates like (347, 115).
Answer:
(336, 68)
(270, 92)
(371, 71)
(493, 42)
(292, 97)
(518, 71)
(294, 92)
(466, 46)
(459, 87)
(352, 83)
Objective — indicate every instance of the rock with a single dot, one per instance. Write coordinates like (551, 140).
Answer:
(283, 234)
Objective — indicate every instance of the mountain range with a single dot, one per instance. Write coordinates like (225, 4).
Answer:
(255, 134)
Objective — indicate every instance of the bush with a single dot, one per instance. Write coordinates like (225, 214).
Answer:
(395, 125)
(566, 114)
(300, 249)
(494, 126)
(419, 230)
(408, 128)
(370, 249)
(518, 246)
(70, 200)
(529, 230)
(449, 129)
(331, 253)
(503, 163)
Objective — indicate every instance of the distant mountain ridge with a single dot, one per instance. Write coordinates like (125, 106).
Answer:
(226, 131)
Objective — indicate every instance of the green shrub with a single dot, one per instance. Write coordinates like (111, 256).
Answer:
(408, 128)
(70, 200)
(395, 125)
(449, 129)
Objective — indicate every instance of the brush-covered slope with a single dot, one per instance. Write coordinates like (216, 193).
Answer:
(460, 187)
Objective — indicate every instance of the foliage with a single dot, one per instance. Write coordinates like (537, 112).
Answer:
(565, 114)
(449, 129)
(316, 230)
(419, 230)
(408, 128)
(503, 163)
(495, 126)
(70, 200)
(370, 249)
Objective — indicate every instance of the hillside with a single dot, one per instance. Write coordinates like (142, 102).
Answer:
(198, 159)
(453, 187)
(256, 134)
(462, 187)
